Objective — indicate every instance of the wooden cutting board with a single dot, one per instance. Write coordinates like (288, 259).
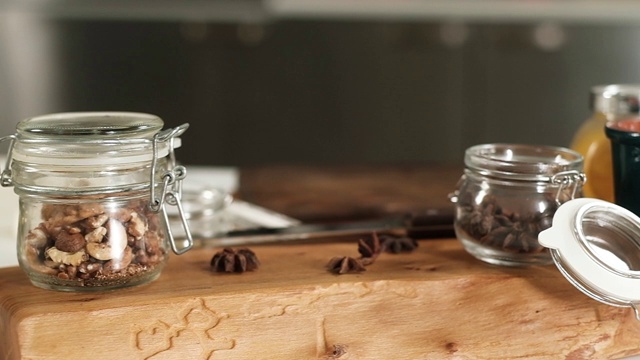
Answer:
(437, 302)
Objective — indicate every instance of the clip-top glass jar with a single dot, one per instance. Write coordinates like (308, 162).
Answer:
(508, 194)
(93, 189)
(608, 103)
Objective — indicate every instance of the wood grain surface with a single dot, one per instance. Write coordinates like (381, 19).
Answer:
(435, 303)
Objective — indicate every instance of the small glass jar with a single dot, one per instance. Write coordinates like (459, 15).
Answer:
(508, 194)
(608, 103)
(93, 189)
(625, 150)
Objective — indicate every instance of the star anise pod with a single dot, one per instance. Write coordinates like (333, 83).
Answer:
(369, 248)
(230, 260)
(344, 265)
(397, 244)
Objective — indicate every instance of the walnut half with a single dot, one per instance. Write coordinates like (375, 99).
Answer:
(62, 257)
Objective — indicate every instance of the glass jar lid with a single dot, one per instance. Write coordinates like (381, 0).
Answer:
(596, 245)
(88, 138)
(522, 162)
(89, 126)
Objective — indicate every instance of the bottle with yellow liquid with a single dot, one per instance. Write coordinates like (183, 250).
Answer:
(608, 103)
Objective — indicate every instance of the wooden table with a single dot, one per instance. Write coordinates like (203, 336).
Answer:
(436, 302)
(337, 193)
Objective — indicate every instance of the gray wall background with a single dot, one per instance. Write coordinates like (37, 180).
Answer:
(319, 91)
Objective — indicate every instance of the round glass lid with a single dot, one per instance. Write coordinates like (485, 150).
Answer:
(89, 138)
(596, 246)
(610, 239)
(90, 125)
(529, 162)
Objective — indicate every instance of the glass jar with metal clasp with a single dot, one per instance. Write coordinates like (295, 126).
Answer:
(609, 105)
(508, 194)
(93, 190)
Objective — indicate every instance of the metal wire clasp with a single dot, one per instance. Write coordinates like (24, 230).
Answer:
(171, 186)
(566, 179)
(5, 178)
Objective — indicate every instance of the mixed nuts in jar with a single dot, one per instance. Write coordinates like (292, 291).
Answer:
(94, 189)
(508, 194)
(90, 242)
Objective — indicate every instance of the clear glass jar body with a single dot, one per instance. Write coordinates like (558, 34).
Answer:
(96, 242)
(92, 190)
(508, 194)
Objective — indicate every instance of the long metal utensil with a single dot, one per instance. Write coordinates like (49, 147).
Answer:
(434, 223)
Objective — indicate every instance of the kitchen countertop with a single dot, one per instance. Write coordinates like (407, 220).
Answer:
(436, 302)
(313, 194)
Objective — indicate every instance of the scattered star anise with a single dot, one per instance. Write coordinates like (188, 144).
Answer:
(397, 244)
(230, 260)
(345, 264)
(369, 248)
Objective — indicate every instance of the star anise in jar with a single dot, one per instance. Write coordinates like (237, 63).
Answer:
(516, 233)
(230, 260)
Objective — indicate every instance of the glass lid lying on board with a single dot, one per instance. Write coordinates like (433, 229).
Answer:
(596, 245)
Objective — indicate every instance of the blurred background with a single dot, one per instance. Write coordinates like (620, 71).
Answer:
(321, 81)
